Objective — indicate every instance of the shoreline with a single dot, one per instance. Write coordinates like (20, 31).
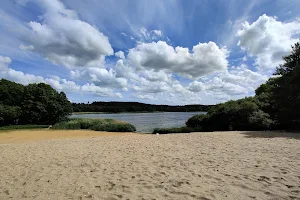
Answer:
(82, 113)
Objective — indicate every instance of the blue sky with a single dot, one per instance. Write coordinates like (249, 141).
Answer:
(162, 52)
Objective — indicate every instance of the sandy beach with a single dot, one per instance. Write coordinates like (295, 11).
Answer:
(220, 165)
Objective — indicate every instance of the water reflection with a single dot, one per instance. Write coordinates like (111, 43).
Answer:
(146, 122)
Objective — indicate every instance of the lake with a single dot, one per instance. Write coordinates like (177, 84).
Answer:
(146, 122)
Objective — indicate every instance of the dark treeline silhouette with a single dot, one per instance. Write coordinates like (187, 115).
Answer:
(117, 107)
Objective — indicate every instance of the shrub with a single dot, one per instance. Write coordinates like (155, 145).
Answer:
(196, 120)
(183, 129)
(260, 120)
(109, 125)
(16, 127)
(242, 115)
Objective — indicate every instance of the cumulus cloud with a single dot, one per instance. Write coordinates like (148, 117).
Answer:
(100, 77)
(205, 58)
(120, 54)
(62, 38)
(146, 96)
(55, 81)
(99, 91)
(268, 39)
(4, 63)
(236, 83)
(148, 81)
(123, 70)
(196, 86)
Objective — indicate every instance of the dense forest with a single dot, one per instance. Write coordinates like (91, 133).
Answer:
(31, 104)
(116, 107)
(276, 104)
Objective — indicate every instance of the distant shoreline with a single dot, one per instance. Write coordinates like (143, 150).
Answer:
(83, 113)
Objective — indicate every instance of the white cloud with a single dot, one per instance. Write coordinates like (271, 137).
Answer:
(145, 35)
(244, 77)
(233, 84)
(99, 91)
(55, 81)
(268, 39)
(196, 86)
(21, 77)
(123, 70)
(151, 75)
(4, 63)
(100, 77)
(146, 96)
(158, 32)
(120, 54)
(205, 58)
(147, 86)
(64, 39)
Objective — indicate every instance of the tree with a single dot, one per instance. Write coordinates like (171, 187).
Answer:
(286, 91)
(11, 93)
(44, 105)
(9, 115)
(32, 104)
(264, 98)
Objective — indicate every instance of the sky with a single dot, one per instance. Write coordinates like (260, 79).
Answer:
(173, 52)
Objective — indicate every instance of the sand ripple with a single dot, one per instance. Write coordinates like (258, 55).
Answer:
(203, 166)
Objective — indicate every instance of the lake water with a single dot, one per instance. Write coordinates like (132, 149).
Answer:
(146, 122)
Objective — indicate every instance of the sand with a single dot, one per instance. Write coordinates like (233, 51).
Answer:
(47, 134)
(228, 165)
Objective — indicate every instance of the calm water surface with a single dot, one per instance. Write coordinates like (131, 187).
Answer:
(146, 122)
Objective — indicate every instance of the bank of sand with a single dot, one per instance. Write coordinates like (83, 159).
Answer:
(220, 165)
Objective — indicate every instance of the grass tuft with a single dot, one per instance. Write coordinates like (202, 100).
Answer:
(109, 125)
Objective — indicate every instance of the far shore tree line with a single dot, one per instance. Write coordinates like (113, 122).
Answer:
(275, 106)
(118, 107)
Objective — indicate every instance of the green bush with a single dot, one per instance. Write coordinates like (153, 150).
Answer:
(242, 115)
(260, 120)
(16, 127)
(109, 125)
(196, 120)
(183, 129)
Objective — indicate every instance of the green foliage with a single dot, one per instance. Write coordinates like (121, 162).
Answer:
(9, 114)
(11, 93)
(260, 120)
(264, 97)
(44, 105)
(32, 104)
(243, 114)
(196, 120)
(109, 125)
(183, 129)
(17, 127)
(286, 92)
